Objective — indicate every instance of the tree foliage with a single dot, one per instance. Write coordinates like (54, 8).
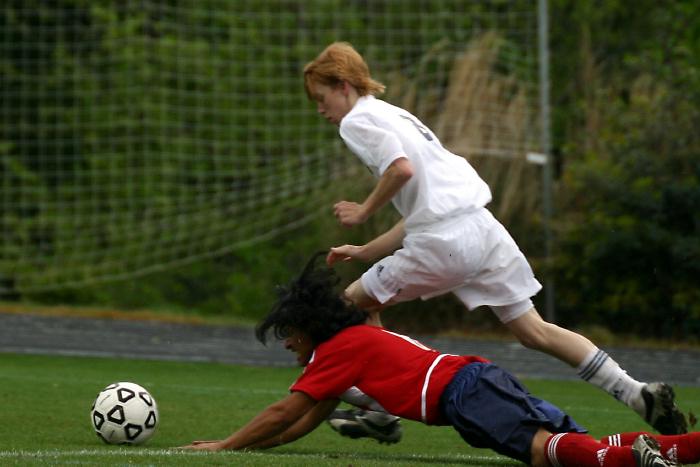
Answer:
(629, 211)
(626, 112)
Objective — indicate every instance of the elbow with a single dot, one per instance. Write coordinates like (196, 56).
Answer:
(404, 169)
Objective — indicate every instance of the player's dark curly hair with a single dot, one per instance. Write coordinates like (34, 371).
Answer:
(311, 304)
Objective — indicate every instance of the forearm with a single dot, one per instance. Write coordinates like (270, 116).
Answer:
(387, 242)
(388, 185)
(271, 422)
(302, 427)
(263, 427)
(285, 437)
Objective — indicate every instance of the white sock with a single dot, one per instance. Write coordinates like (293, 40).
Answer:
(602, 371)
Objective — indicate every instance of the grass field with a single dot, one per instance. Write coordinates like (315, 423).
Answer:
(45, 402)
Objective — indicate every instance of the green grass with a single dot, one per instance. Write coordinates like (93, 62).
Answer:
(45, 402)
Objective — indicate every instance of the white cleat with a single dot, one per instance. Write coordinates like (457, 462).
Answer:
(358, 423)
(646, 452)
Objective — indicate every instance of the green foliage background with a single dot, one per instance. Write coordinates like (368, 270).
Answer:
(626, 109)
(627, 113)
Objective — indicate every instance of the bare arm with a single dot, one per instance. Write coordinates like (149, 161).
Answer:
(302, 427)
(381, 246)
(392, 180)
(268, 424)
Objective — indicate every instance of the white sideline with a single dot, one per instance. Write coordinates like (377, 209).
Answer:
(97, 452)
(47, 454)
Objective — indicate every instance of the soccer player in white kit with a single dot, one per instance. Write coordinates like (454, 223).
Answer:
(447, 240)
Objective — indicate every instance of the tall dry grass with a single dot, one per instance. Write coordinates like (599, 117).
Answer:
(480, 113)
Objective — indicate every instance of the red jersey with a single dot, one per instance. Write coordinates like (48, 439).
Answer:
(404, 376)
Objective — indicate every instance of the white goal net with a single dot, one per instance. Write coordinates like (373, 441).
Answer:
(137, 135)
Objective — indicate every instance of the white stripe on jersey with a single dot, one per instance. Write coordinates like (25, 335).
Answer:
(426, 381)
(409, 339)
(424, 392)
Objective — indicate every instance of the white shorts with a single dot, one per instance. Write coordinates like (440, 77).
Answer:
(472, 256)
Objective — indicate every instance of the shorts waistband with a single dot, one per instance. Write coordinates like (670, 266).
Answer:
(445, 223)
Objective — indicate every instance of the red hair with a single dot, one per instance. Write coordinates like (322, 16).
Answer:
(337, 63)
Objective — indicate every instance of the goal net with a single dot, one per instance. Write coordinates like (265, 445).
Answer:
(136, 135)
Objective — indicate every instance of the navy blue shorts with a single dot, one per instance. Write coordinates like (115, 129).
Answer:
(491, 409)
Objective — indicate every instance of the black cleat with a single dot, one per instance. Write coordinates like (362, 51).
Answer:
(661, 410)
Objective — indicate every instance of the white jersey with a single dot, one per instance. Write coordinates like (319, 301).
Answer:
(443, 186)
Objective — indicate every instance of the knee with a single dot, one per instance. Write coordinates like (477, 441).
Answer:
(347, 295)
(353, 294)
(356, 295)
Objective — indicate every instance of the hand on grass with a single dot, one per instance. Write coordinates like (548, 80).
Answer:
(204, 446)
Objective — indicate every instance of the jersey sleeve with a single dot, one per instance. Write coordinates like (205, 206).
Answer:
(331, 371)
(375, 146)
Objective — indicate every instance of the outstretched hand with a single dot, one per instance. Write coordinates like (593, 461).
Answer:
(344, 253)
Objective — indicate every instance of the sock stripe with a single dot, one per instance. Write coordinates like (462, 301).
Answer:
(594, 365)
(552, 449)
(614, 440)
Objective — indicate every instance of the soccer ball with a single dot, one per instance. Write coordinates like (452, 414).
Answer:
(124, 413)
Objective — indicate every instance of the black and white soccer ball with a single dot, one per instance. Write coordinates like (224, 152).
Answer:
(124, 413)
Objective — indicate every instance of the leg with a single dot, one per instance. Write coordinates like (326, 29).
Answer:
(574, 449)
(684, 449)
(535, 333)
(356, 294)
(654, 402)
(490, 408)
(537, 452)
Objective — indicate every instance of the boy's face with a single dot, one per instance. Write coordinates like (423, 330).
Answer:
(300, 344)
(332, 102)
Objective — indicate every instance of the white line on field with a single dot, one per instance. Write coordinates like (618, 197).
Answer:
(28, 350)
(98, 452)
(130, 452)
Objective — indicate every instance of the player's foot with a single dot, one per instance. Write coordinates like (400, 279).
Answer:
(661, 410)
(647, 453)
(358, 423)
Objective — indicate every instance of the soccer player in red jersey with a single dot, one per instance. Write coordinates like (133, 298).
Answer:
(487, 405)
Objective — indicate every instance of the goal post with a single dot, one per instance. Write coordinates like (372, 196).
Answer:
(137, 135)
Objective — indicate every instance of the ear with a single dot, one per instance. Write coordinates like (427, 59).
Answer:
(345, 87)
